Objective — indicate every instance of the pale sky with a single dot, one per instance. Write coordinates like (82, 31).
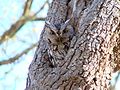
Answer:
(13, 76)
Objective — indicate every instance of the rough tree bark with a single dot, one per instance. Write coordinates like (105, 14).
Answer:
(92, 54)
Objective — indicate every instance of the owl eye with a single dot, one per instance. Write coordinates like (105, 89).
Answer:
(65, 30)
(52, 32)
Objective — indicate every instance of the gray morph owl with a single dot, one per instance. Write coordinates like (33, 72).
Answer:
(59, 34)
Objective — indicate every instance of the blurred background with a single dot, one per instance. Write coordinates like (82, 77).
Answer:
(21, 22)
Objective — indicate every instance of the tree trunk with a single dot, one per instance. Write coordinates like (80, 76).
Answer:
(89, 60)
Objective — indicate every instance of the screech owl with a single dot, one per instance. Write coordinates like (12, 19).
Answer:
(58, 37)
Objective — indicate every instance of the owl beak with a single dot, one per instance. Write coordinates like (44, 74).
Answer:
(59, 34)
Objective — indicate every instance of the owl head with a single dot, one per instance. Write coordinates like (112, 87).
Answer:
(57, 33)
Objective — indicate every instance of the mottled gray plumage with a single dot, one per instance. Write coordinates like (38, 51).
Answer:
(58, 37)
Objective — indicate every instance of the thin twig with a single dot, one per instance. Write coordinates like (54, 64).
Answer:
(15, 58)
(40, 9)
(27, 7)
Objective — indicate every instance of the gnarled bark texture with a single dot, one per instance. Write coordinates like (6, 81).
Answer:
(92, 54)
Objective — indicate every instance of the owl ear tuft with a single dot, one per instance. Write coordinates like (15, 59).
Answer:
(65, 24)
(49, 25)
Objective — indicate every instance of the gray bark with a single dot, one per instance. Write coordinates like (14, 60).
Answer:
(89, 61)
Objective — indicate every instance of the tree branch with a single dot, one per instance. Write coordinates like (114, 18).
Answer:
(15, 58)
(28, 5)
(12, 31)
(39, 19)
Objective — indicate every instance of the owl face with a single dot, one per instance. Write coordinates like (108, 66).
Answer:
(57, 34)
